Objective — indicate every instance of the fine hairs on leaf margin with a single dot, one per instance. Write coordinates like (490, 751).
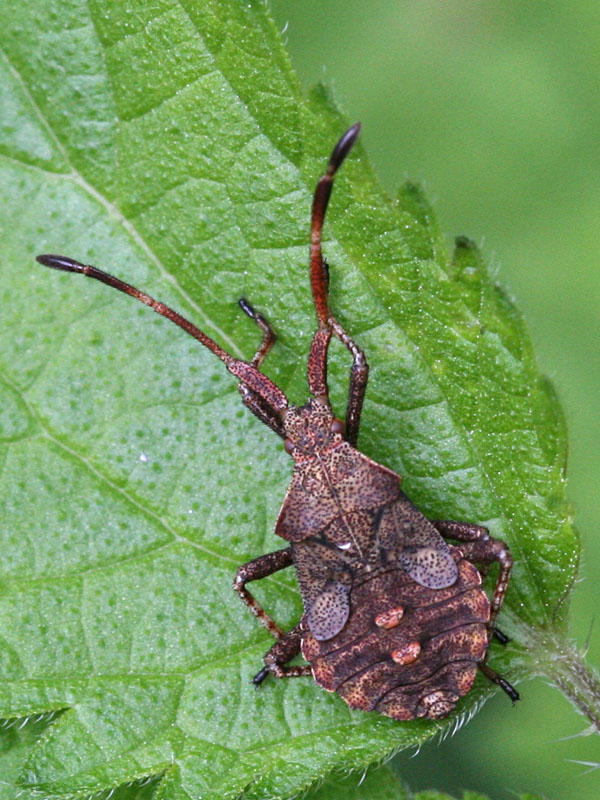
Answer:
(21, 722)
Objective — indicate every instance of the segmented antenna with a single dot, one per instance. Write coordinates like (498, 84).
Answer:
(318, 273)
(247, 373)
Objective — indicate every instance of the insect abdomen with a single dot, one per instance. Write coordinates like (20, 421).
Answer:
(407, 651)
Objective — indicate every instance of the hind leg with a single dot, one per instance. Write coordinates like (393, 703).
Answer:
(478, 546)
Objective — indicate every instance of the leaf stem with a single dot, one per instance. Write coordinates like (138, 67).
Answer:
(577, 680)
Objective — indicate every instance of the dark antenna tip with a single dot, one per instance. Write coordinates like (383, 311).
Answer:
(63, 263)
(343, 147)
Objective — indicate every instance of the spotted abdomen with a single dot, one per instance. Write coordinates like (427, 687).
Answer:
(406, 651)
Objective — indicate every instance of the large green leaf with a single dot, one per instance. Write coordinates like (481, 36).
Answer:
(169, 142)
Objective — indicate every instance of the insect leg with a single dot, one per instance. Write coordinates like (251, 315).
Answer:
(261, 410)
(359, 371)
(493, 676)
(277, 657)
(501, 637)
(269, 336)
(251, 399)
(359, 374)
(479, 546)
(255, 570)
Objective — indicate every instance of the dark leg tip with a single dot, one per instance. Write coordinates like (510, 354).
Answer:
(246, 307)
(260, 676)
(509, 689)
(501, 637)
(63, 263)
(493, 676)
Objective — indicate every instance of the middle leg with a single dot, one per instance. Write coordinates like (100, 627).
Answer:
(254, 570)
(277, 657)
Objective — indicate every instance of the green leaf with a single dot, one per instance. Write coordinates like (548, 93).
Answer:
(434, 795)
(169, 143)
(378, 783)
(17, 737)
(381, 783)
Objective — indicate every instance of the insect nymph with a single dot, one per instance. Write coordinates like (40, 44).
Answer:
(395, 619)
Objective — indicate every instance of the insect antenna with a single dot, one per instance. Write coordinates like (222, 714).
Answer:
(247, 373)
(318, 277)
(328, 325)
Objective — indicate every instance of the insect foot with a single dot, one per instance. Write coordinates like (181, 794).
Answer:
(395, 617)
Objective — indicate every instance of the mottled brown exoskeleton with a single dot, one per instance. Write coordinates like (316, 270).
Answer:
(395, 619)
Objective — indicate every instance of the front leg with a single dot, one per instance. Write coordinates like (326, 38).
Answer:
(255, 570)
(251, 399)
(477, 545)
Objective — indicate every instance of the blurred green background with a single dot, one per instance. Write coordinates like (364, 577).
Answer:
(495, 107)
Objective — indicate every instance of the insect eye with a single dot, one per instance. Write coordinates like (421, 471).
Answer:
(337, 426)
(288, 446)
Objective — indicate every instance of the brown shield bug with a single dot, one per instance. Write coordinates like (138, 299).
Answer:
(395, 619)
